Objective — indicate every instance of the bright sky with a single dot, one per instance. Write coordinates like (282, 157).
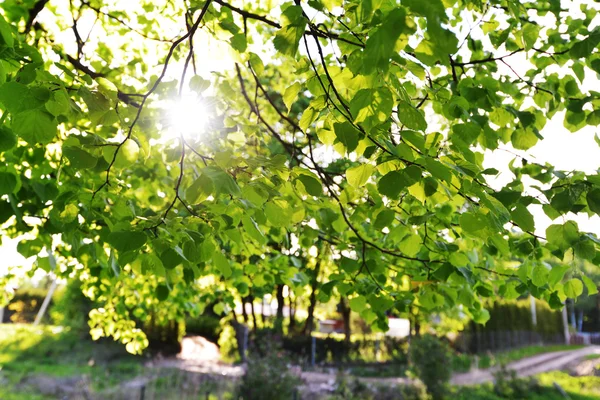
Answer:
(565, 150)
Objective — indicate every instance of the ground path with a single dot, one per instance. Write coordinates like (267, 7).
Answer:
(323, 381)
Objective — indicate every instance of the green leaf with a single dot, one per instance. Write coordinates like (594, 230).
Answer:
(238, 42)
(128, 154)
(107, 88)
(359, 175)
(191, 251)
(384, 218)
(530, 35)
(473, 223)
(381, 43)
(126, 240)
(312, 185)
(347, 135)
(585, 47)
(198, 84)
(592, 289)
(8, 139)
(276, 214)
(481, 316)
(391, 184)
(35, 126)
(373, 104)
(593, 200)
(593, 118)
(523, 139)
(224, 183)
(358, 304)
(438, 170)
(410, 245)
(585, 249)
(291, 94)
(200, 189)
(222, 264)
(563, 236)
(539, 275)
(6, 33)
(253, 230)
(288, 37)
(207, 250)
(79, 158)
(573, 288)
(556, 274)
(60, 104)
(523, 218)
(170, 258)
(411, 117)
(162, 292)
(8, 182)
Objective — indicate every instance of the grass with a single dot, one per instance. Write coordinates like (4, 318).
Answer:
(27, 350)
(487, 360)
(577, 388)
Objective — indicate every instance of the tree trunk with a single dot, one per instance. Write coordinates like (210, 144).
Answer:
(309, 325)
(279, 314)
(244, 313)
(345, 311)
(292, 303)
(254, 322)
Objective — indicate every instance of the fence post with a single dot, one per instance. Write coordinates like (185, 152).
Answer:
(313, 351)
(142, 392)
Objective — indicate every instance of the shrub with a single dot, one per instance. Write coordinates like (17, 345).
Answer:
(70, 307)
(431, 362)
(268, 378)
(357, 390)
(509, 386)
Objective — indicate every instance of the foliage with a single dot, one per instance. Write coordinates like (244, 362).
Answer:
(355, 389)
(508, 385)
(430, 358)
(577, 388)
(362, 135)
(268, 377)
(71, 307)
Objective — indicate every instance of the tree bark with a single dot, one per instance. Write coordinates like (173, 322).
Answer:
(244, 313)
(279, 314)
(309, 325)
(345, 311)
(254, 322)
(292, 303)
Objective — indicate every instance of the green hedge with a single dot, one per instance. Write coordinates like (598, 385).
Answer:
(511, 325)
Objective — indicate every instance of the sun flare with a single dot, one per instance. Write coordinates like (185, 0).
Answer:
(187, 116)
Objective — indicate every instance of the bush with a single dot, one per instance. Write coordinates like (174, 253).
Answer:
(268, 378)
(70, 307)
(509, 386)
(430, 358)
(357, 390)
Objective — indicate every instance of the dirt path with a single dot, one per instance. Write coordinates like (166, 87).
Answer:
(525, 367)
(200, 357)
(528, 366)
